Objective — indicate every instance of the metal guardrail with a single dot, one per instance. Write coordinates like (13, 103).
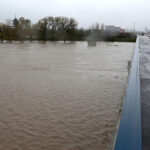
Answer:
(129, 133)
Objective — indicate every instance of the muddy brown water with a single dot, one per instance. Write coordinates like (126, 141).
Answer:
(61, 96)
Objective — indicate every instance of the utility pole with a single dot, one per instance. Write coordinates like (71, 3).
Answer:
(134, 26)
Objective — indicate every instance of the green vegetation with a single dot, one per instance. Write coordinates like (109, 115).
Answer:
(57, 29)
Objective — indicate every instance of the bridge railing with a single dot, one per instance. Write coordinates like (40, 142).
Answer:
(129, 132)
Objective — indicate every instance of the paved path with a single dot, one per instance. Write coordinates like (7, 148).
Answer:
(144, 44)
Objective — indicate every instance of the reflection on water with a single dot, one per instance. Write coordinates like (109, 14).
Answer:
(57, 96)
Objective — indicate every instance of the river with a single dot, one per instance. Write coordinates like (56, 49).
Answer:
(61, 96)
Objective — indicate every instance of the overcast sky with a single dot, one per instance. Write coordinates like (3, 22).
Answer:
(121, 13)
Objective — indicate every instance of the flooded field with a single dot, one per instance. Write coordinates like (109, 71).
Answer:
(61, 96)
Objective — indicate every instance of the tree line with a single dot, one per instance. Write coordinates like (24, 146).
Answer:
(54, 29)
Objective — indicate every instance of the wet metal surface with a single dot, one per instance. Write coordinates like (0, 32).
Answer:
(56, 96)
(129, 133)
(145, 89)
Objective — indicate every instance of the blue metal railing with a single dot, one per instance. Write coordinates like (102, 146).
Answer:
(129, 133)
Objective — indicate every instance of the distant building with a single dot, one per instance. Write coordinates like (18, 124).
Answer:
(122, 31)
(113, 29)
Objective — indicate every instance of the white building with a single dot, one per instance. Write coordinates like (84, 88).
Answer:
(112, 29)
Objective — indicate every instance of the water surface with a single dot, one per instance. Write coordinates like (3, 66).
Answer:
(61, 96)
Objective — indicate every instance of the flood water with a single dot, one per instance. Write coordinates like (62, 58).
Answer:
(61, 96)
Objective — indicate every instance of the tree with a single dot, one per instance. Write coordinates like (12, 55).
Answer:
(42, 29)
(7, 30)
(71, 28)
(15, 22)
(51, 26)
(21, 28)
(64, 24)
(1, 32)
(56, 27)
